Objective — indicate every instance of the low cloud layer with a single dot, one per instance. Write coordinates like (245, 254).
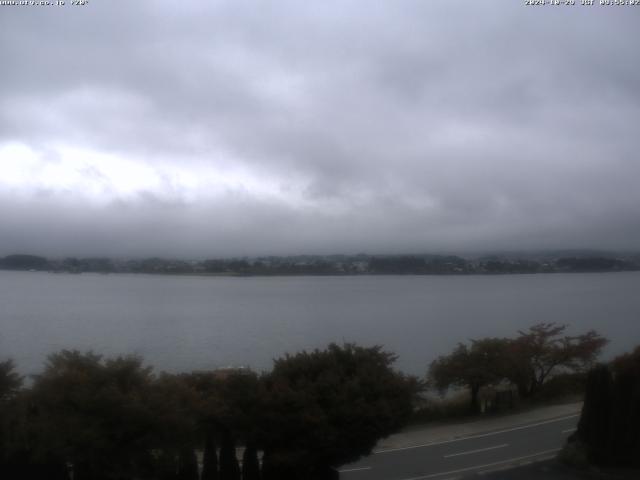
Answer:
(239, 128)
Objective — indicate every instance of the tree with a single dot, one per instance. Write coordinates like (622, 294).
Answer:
(229, 468)
(329, 407)
(177, 408)
(250, 463)
(10, 384)
(230, 405)
(475, 366)
(542, 350)
(608, 430)
(95, 414)
(625, 444)
(24, 262)
(594, 425)
(187, 464)
(398, 265)
(210, 458)
(10, 381)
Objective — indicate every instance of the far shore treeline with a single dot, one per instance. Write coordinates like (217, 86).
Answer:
(88, 417)
(548, 262)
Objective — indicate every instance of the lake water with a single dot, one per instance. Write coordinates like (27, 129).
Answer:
(184, 323)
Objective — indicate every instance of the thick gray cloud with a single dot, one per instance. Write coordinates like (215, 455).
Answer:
(237, 127)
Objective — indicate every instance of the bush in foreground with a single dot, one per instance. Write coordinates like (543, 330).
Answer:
(327, 408)
(101, 419)
(609, 429)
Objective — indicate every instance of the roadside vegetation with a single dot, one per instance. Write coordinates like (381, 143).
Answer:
(539, 364)
(91, 418)
(608, 433)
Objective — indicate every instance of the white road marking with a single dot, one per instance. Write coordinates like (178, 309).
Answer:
(511, 460)
(476, 451)
(569, 430)
(482, 435)
(359, 469)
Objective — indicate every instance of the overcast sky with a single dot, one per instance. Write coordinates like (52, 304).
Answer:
(202, 128)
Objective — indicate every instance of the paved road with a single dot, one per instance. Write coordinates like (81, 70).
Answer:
(460, 457)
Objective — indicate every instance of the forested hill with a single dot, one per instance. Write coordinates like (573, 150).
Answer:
(333, 264)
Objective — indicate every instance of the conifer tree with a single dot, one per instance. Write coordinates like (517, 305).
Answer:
(210, 458)
(250, 463)
(595, 421)
(229, 468)
(187, 464)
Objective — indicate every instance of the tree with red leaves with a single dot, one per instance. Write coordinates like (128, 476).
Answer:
(536, 354)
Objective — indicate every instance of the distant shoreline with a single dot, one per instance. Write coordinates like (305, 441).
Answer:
(282, 275)
(332, 265)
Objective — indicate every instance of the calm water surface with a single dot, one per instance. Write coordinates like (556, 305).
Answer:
(186, 323)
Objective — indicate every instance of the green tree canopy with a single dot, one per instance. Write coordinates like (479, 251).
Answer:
(94, 413)
(329, 407)
(475, 366)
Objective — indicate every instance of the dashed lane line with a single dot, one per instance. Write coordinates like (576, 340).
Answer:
(486, 465)
(469, 452)
(481, 435)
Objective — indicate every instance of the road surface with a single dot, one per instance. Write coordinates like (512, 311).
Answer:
(481, 452)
